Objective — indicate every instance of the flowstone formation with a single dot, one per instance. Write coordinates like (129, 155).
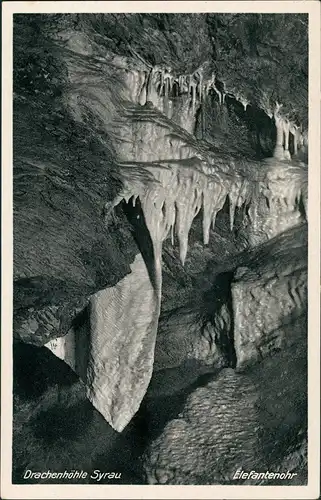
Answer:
(154, 177)
(173, 178)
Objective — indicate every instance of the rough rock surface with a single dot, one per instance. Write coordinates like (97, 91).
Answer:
(238, 318)
(55, 426)
(267, 293)
(255, 421)
(137, 170)
(253, 417)
(184, 337)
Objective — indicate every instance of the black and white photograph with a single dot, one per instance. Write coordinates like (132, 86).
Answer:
(160, 247)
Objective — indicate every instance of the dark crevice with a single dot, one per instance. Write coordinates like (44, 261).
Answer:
(220, 294)
(136, 218)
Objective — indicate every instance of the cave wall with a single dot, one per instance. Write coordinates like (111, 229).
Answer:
(143, 142)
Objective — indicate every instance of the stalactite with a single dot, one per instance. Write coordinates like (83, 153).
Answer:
(305, 138)
(218, 93)
(300, 136)
(171, 205)
(170, 109)
(253, 217)
(243, 101)
(198, 76)
(143, 88)
(170, 79)
(172, 230)
(210, 84)
(162, 72)
(203, 117)
(153, 93)
(214, 197)
(193, 87)
(278, 150)
(239, 195)
(200, 88)
(181, 83)
(189, 82)
(294, 132)
(149, 85)
(214, 219)
(286, 131)
(295, 144)
(232, 211)
(166, 95)
(296, 139)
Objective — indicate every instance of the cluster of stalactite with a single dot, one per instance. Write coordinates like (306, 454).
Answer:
(179, 193)
(161, 86)
(284, 128)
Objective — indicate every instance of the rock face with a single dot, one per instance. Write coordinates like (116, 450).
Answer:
(282, 203)
(255, 421)
(211, 430)
(252, 299)
(269, 293)
(139, 168)
(183, 337)
(229, 422)
(55, 426)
